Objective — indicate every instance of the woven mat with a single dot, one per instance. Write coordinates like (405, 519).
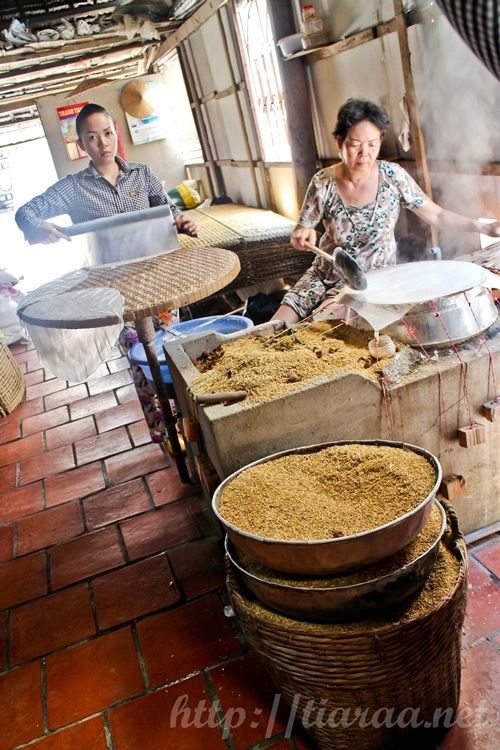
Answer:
(238, 227)
(153, 285)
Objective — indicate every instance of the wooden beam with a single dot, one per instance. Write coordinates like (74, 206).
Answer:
(71, 78)
(362, 37)
(82, 10)
(416, 132)
(417, 136)
(222, 94)
(26, 99)
(280, 164)
(489, 169)
(73, 67)
(206, 11)
(237, 163)
(330, 50)
(15, 59)
(22, 103)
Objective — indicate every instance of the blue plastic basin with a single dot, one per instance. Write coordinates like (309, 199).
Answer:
(223, 324)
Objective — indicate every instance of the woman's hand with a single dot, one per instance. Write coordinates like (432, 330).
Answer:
(444, 219)
(300, 235)
(491, 228)
(330, 310)
(186, 225)
(48, 233)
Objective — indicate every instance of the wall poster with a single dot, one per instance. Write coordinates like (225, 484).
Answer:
(145, 129)
(67, 122)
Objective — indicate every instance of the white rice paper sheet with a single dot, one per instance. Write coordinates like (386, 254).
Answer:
(391, 292)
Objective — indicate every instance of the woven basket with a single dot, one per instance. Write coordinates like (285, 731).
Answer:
(406, 665)
(11, 382)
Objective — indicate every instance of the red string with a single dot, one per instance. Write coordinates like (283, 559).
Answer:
(442, 399)
(384, 383)
(491, 368)
(463, 365)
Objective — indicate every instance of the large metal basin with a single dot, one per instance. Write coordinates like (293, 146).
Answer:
(460, 317)
(342, 603)
(341, 554)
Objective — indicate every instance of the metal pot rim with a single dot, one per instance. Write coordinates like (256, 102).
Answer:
(313, 449)
(331, 589)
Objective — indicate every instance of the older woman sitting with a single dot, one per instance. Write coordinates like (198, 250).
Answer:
(358, 202)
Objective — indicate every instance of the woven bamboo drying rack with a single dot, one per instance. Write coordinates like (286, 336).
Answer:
(260, 238)
(400, 665)
(11, 382)
(149, 286)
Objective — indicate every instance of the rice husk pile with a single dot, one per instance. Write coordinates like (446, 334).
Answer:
(439, 585)
(333, 492)
(422, 543)
(277, 365)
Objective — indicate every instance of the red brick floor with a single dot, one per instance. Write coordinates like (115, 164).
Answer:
(112, 624)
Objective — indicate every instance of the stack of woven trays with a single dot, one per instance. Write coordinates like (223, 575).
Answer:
(363, 665)
(12, 384)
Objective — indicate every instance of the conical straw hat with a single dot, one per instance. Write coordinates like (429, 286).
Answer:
(137, 99)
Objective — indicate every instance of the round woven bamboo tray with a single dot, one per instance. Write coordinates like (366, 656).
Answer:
(149, 286)
(388, 671)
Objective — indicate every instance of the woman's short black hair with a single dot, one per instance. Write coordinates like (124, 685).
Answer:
(86, 112)
(357, 110)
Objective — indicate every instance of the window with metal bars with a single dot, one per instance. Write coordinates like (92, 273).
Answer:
(264, 80)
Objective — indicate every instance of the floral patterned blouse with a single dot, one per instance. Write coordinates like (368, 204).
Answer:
(366, 232)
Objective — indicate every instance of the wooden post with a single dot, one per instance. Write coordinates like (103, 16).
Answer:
(416, 132)
(417, 135)
(296, 94)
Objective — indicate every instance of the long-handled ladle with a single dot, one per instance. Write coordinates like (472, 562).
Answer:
(347, 268)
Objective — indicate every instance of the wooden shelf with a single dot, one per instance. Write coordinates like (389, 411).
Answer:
(329, 50)
(362, 37)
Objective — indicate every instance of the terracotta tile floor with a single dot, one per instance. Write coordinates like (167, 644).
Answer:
(112, 628)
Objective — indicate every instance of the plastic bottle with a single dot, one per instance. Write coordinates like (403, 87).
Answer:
(313, 27)
(308, 12)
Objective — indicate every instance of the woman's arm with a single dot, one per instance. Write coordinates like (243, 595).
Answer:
(311, 211)
(436, 216)
(159, 197)
(31, 217)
